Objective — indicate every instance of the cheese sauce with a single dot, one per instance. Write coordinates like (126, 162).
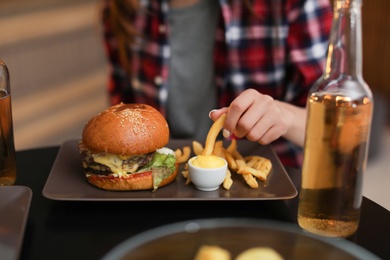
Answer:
(208, 161)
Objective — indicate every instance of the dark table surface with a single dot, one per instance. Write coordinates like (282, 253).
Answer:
(88, 230)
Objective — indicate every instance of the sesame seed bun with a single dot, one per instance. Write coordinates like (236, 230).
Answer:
(126, 129)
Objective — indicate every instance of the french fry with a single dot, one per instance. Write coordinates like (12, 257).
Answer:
(262, 166)
(250, 180)
(232, 146)
(227, 182)
(232, 164)
(178, 153)
(188, 181)
(185, 174)
(218, 149)
(213, 134)
(251, 171)
(240, 163)
(212, 252)
(250, 161)
(197, 148)
(237, 156)
(185, 155)
(243, 169)
(259, 253)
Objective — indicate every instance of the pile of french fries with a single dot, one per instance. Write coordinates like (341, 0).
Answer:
(250, 168)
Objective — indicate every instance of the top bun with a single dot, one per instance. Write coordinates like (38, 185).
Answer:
(126, 129)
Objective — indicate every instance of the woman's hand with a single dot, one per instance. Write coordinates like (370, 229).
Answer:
(262, 119)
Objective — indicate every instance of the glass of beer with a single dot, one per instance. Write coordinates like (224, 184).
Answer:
(7, 146)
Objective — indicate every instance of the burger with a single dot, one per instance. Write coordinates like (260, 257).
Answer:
(123, 148)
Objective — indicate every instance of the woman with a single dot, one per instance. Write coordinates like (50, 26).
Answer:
(254, 59)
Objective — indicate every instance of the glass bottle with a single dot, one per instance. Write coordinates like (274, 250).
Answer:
(340, 106)
(7, 147)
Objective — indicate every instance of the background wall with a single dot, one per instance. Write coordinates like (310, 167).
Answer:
(376, 64)
(54, 52)
(376, 45)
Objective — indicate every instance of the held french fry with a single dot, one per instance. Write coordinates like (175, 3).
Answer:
(213, 134)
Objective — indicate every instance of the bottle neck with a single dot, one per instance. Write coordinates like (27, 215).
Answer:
(345, 43)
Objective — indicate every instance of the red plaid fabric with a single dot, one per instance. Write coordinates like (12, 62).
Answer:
(279, 50)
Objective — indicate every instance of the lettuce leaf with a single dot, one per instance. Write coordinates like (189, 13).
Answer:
(162, 166)
(167, 160)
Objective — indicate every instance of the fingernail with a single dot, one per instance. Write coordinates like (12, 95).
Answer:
(226, 133)
(212, 112)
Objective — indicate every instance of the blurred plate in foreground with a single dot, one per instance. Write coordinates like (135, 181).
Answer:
(182, 241)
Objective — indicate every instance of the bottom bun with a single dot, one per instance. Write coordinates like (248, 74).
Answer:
(137, 181)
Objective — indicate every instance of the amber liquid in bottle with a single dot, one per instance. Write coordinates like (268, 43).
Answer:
(338, 124)
(334, 160)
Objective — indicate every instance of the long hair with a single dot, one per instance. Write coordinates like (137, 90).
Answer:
(123, 30)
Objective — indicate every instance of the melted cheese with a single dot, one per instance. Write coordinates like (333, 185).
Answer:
(115, 163)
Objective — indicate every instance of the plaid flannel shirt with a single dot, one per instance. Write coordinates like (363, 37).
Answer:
(279, 50)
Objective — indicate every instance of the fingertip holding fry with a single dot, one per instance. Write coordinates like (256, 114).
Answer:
(226, 133)
(212, 112)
